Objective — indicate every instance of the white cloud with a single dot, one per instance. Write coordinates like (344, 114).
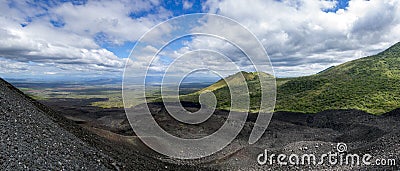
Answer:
(111, 18)
(299, 36)
(299, 33)
(42, 48)
(187, 4)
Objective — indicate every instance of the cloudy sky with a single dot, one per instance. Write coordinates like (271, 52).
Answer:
(53, 39)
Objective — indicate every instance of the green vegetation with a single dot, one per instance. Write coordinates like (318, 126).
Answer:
(222, 92)
(109, 96)
(371, 84)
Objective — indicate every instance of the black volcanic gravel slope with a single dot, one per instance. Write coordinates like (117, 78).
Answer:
(35, 137)
(31, 140)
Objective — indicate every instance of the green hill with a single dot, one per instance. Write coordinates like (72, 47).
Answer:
(222, 92)
(371, 84)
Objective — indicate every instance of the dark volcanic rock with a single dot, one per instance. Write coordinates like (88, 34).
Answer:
(31, 140)
(34, 137)
(297, 133)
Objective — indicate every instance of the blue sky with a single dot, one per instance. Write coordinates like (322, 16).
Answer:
(341, 4)
(44, 39)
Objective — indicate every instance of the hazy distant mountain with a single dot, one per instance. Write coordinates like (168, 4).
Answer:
(62, 82)
(371, 84)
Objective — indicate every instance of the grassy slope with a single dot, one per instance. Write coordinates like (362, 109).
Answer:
(371, 84)
(221, 90)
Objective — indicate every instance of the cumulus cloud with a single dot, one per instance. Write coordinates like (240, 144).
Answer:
(301, 38)
(54, 37)
(110, 17)
(64, 36)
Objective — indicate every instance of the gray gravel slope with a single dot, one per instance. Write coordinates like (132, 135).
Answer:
(30, 140)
